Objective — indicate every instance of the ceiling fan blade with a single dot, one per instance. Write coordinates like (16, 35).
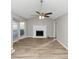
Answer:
(48, 13)
(37, 12)
(46, 16)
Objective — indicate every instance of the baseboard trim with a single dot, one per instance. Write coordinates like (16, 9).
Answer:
(19, 39)
(12, 51)
(51, 37)
(41, 37)
(31, 37)
(62, 44)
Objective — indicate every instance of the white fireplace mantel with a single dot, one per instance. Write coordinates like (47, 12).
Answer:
(40, 28)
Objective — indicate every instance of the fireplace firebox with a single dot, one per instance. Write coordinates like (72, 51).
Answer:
(39, 33)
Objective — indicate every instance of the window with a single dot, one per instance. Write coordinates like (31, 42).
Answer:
(22, 28)
(15, 29)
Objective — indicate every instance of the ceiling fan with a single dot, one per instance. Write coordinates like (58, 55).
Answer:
(41, 14)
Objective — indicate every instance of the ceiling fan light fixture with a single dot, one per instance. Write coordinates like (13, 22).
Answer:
(41, 17)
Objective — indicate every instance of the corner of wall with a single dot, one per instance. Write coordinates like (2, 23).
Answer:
(62, 44)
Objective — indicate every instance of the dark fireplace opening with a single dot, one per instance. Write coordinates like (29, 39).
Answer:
(39, 33)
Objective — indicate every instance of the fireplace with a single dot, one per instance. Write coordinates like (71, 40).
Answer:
(39, 33)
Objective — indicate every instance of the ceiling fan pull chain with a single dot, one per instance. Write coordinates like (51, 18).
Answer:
(41, 5)
(41, 1)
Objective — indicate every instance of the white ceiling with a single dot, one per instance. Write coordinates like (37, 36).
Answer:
(27, 8)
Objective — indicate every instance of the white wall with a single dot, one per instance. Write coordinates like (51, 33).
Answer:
(26, 29)
(62, 29)
(48, 22)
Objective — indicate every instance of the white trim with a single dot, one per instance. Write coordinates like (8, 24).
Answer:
(62, 44)
(16, 40)
(12, 50)
(29, 36)
(39, 37)
(51, 36)
(19, 39)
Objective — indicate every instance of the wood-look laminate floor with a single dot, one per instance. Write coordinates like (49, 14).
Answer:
(39, 49)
